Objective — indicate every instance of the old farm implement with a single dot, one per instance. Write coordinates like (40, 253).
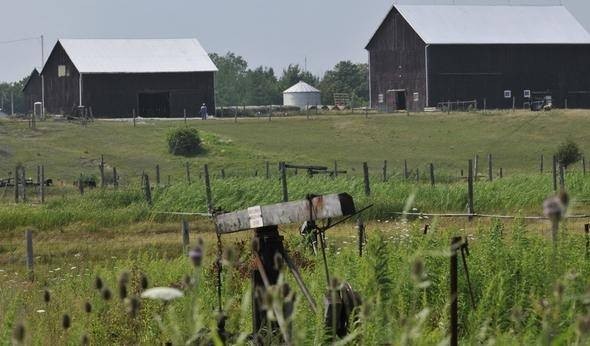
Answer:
(268, 250)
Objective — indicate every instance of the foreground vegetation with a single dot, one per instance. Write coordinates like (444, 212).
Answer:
(525, 292)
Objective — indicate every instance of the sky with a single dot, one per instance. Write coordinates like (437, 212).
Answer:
(272, 33)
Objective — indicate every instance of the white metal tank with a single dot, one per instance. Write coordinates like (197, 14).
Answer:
(302, 95)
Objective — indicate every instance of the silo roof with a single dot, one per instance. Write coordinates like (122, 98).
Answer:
(301, 87)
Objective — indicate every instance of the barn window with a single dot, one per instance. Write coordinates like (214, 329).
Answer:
(507, 94)
(61, 70)
(527, 94)
(380, 98)
(416, 97)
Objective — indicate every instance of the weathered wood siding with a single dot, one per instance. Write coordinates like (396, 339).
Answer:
(116, 95)
(61, 93)
(32, 91)
(397, 61)
(478, 72)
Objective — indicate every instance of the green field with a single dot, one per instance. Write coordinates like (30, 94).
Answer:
(526, 290)
(515, 139)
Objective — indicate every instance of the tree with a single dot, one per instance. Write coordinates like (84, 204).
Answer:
(346, 77)
(262, 87)
(568, 153)
(230, 79)
(293, 75)
(16, 89)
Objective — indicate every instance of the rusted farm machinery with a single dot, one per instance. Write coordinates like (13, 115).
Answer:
(268, 249)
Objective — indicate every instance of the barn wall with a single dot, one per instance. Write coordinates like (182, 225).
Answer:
(467, 72)
(116, 95)
(397, 61)
(32, 91)
(61, 93)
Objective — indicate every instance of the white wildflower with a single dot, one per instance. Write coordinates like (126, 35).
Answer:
(162, 293)
(41, 311)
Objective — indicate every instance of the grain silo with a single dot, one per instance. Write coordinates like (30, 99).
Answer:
(302, 95)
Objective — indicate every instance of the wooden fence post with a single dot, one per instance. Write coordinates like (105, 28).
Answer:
(284, 181)
(30, 258)
(115, 178)
(335, 168)
(541, 166)
(81, 184)
(133, 117)
(208, 189)
(406, 176)
(157, 175)
(185, 235)
(42, 187)
(384, 170)
(101, 168)
(470, 210)
(562, 177)
(38, 182)
(222, 173)
(366, 179)
(476, 167)
(455, 244)
(432, 174)
(417, 175)
(147, 189)
(554, 173)
(188, 173)
(184, 114)
(583, 165)
(490, 165)
(501, 173)
(267, 168)
(16, 179)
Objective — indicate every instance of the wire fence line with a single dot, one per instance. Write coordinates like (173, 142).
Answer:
(490, 216)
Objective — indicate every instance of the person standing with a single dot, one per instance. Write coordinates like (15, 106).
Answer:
(203, 112)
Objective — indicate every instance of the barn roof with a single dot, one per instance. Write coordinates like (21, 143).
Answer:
(34, 74)
(137, 55)
(494, 24)
(301, 87)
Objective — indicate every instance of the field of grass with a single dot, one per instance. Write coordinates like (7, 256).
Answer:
(515, 139)
(526, 291)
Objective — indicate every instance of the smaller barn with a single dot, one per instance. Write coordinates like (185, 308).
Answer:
(32, 91)
(302, 95)
(119, 77)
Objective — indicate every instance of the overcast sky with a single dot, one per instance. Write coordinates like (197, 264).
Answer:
(266, 32)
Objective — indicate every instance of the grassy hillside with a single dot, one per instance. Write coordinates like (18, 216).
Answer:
(516, 140)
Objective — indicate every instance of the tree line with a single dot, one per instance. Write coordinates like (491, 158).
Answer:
(237, 84)
(16, 90)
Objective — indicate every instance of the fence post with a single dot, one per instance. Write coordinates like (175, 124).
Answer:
(470, 210)
(455, 244)
(490, 164)
(360, 226)
(554, 173)
(184, 114)
(542, 168)
(188, 173)
(222, 173)
(115, 178)
(42, 187)
(406, 169)
(335, 168)
(561, 177)
(208, 189)
(501, 173)
(583, 165)
(16, 179)
(39, 181)
(476, 167)
(284, 181)
(157, 175)
(147, 189)
(23, 184)
(432, 174)
(267, 167)
(417, 175)
(384, 170)
(133, 117)
(30, 258)
(101, 168)
(81, 184)
(185, 235)
(366, 179)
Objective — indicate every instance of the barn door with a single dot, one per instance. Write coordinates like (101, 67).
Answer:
(154, 104)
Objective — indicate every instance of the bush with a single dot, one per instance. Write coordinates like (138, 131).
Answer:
(568, 153)
(184, 141)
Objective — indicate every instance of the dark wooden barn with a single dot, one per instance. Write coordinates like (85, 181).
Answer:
(115, 77)
(422, 56)
(32, 91)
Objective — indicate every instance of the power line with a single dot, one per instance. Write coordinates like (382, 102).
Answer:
(19, 40)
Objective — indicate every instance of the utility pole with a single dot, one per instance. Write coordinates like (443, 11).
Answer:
(11, 102)
(42, 78)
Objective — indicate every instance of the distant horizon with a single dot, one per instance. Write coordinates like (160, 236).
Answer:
(321, 33)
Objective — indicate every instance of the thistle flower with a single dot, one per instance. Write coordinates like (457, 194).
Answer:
(18, 334)
(46, 296)
(106, 294)
(122, 292)
(88, 307)
(66, 322)
(162, 293)
(196, 256)
(98, 283)
(143, 282)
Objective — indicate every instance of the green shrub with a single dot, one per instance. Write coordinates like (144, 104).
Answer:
(184, 141)
(568, 153)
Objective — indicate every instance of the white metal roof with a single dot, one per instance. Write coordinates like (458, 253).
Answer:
(494, 24)
(137, 55)
(301, 87)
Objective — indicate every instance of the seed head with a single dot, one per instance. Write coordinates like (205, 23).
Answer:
(66, 322)
(18, 334)
(106, 294)
(143, 282)
(88, 307)
(122, 292)
(46, 296)
(133, 306)
(98, 283)
(196, 256)
(123, 279)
